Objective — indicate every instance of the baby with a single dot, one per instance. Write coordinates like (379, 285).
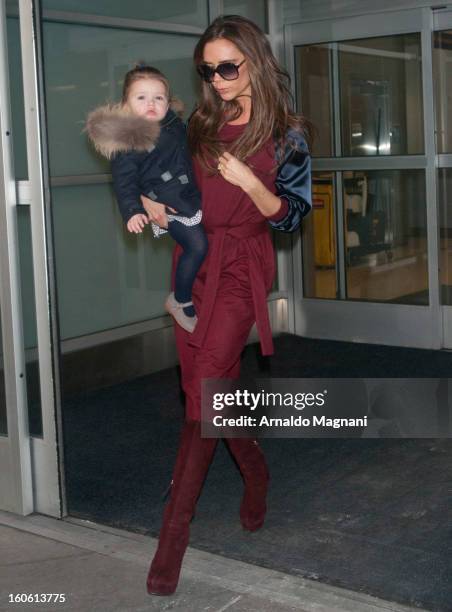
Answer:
(145, 140)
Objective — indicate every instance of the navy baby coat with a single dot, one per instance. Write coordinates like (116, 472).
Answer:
(147, 158)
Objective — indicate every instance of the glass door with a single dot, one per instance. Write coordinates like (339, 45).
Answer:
(366, 263)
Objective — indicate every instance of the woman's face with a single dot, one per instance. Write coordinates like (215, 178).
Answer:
(218, 52)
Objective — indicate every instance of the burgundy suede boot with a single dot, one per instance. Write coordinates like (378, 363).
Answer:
(185, 437)
(253, 467)
(192, 463)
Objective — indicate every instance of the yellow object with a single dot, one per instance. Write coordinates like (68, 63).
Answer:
(324, 242)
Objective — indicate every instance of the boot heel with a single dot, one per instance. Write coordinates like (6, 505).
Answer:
(165, 568)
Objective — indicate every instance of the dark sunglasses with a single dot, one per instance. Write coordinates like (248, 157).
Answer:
(227, 71)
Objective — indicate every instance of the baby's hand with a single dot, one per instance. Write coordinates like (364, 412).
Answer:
(137, 223)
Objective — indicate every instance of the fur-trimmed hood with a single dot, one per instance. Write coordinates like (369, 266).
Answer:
(113, 129)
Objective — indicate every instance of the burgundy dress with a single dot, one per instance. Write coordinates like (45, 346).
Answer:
(230, 291)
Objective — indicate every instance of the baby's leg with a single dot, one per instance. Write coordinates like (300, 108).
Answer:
(194, 242)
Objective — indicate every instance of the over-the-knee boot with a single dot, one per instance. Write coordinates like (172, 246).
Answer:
(193, 460)
(180, 458)
(251, 461)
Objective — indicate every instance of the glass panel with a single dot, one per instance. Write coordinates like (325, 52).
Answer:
(442, 58)
(130, 278)
(319, 240)
(381, 96)
(445, 225)
(29, 320)
(3, 421)
(85, 67)
(106, 276)
(386, 236)
(184, 12)
(313, 81)
(17, 97)
(256, 10)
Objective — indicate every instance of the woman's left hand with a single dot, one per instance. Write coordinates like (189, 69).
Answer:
(236, 172)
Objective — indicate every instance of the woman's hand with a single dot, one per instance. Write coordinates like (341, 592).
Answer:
(156, 211)
(236, 172)
(136, 223)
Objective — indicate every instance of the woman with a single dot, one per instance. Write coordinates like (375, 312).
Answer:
(252, 166)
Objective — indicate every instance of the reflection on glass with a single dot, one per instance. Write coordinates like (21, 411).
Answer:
(3, 421)
(442, 58)
(445, 225)
(386, 236)
(313, 80)
(319, 244)
(256, 10)
(381, 96)
(184, 12)
(85, 67)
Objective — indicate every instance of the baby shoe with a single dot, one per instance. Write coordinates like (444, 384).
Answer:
(175, 309)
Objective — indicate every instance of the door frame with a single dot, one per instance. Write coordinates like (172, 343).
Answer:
(46, 450)
(442, 20)
(373, 322)
(16, 490)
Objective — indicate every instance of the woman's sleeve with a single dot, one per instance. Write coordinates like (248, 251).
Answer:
(293, 185)
(124, 170)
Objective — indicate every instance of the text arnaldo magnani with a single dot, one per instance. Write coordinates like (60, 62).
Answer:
(264, 399)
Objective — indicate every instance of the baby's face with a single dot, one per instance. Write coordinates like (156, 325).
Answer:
(148, 98)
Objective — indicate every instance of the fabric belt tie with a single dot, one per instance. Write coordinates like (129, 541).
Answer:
(258, 291)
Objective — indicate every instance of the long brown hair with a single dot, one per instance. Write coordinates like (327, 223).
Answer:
(272, 102)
